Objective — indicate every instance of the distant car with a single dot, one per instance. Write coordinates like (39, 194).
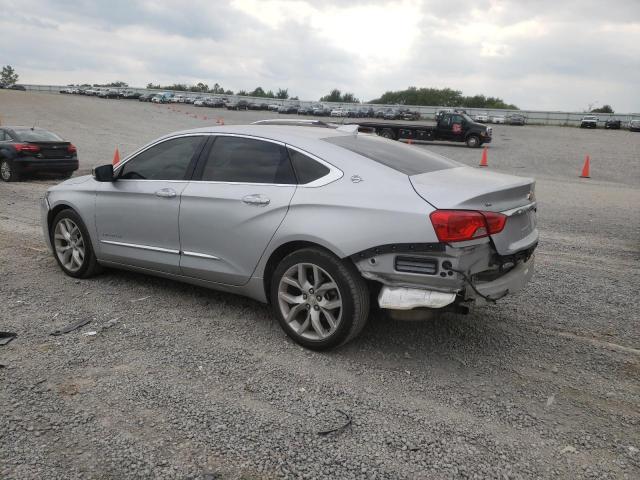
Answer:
(613, 124)
(177, 98)
(321, 111)
(634, 125)
(109, 94)
(305, 111)
(165, 97)
(288, 109)
(33, 150)
(274, 107)
(589, 121)
(410, 115)
(498, 119)
(338, 112)
(146, 97)
(295, 216)
(17, 87)
(239, 105)
(515, 119)
(482, 117)
(131, 95)
(215, 102)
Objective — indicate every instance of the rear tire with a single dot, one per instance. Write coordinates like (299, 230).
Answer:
(388, 133)
(320, 301)
(8, 172)
(473, 141)
(72, 246)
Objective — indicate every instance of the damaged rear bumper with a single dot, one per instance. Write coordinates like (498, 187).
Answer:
(435, 278)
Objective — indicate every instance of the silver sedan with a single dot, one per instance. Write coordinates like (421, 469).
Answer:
(312, 220)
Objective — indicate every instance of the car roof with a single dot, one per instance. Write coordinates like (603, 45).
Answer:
(282, 133)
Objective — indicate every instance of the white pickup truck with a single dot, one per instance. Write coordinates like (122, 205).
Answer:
(589, 121)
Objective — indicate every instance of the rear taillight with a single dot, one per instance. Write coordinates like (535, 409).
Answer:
(461, 225)
(26, 148)
(72, 148)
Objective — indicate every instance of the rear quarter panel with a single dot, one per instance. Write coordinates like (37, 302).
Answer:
(348, 217)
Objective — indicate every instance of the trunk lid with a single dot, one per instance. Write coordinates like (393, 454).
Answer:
(53, 149)
(465, 188)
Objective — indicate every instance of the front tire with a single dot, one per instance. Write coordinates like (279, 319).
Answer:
(72, 246)
(473, 141)
(320, 301)
(8, 172)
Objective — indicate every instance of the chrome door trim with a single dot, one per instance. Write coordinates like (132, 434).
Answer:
(200, 255)
(141, 247)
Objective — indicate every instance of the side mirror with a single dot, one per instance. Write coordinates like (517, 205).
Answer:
(103, 173)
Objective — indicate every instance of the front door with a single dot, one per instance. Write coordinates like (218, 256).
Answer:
(230, 211)
(137, 214)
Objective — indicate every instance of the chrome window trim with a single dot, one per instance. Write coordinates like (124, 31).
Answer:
(141, 247)
(334, 172)
(143, 149)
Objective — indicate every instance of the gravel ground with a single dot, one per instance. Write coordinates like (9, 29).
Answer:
(182, 382)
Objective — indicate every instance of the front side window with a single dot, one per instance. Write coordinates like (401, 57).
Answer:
(247, 160)
(168, 160)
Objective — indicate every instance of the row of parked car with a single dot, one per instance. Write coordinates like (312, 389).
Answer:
(319, 109)
(591, 121)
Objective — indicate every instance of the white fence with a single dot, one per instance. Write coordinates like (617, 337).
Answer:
(534, 117)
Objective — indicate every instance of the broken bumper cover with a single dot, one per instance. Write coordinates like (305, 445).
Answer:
(408, 298)
(511, 282)
(402, 298)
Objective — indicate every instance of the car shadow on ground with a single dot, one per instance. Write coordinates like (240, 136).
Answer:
(446, 333)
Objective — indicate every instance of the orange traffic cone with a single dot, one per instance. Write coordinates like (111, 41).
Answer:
(586, 167)
(483, 161)
(409, 141)
(220, 121)
(116, 157)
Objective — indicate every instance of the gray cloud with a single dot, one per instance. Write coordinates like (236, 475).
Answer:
(542, 54)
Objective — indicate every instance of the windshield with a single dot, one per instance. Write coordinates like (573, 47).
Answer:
(396, 155)
(36, 135)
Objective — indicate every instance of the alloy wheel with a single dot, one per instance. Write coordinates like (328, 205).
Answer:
(310, 301)
(5, 170)
(69, 244)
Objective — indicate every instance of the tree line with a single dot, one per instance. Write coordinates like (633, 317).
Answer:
(442, 97)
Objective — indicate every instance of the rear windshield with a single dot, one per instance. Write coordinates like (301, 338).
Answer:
(403, 158)
(36, 135)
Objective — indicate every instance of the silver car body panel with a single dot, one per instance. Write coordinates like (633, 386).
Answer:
(222, 234)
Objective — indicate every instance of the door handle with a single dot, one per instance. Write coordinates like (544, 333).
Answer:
(166, 193)
(256, 199)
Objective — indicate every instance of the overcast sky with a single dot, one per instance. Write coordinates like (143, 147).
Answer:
(544, 54)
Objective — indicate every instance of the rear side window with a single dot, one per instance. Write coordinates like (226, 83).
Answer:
(168, 160)
(247, 160)
(403, 158)
(307, 169)
(36, 135)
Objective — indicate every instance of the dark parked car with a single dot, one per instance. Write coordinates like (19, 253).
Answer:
(214, 102)
(634, 126)
(131, 95)
(239, 105)
(288, 109)
(305, 111)
(17, 87)
(613, 124)
(32, 150)
(146, 97)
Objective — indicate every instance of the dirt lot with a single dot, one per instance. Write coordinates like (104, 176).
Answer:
(182, 382)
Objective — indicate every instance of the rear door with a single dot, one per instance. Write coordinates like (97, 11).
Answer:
(231, 209)
(137, 215)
